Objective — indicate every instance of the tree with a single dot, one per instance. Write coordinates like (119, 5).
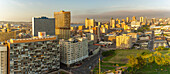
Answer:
(151, 59)
(161, 48)
(132, 62)
(136, 62)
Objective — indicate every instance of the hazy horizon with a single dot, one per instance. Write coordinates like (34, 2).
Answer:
(101, 10)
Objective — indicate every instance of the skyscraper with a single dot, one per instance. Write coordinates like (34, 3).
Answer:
(133, 18)
(62, 24)
(112, 23)
(43, 24)
(141, 19)
(145, 20)
(127, 19)
(89, 23)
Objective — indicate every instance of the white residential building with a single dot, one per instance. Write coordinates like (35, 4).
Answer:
(73, 50)
(3, 59)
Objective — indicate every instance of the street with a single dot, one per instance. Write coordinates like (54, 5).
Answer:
(84, 68)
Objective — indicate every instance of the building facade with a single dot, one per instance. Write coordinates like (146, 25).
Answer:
(113, 23)
(73, 50)
(123, 41)
(62, 24)
(134, 18)
(141, 19)
(89, 23)
(43, 24)
(33, 55)
(3, 59)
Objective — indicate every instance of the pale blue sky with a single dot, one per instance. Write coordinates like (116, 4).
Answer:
(23, 10)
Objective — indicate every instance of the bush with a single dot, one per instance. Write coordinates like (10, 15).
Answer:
(161, 48)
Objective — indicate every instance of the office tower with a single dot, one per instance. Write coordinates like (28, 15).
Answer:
(153, 20)
(89, 23)
(145, 20)
(33, 55)
(127, 19)
(3, 59)
(73, 50)
(96, 31)
(123, 41)
(62, 24)
(133, 18)
(43, 24)
(141, 19)
(112, 23)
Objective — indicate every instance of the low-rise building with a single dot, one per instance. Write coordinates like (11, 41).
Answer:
(160, 41)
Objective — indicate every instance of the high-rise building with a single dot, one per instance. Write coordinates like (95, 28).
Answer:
(113, 23)
(89, 23)
(33, 55)
(96, 31)
(3, 59)
(127, 19)
(153, 20)
(62, 24)
(133, 18)
(103, 29)
(43, 24)
(145, 20)
(73, 50)
(123, 41)
(141, 19)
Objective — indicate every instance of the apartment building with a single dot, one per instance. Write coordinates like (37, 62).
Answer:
(73, 50)
(33, 55)
(123, 41)
(3, 59)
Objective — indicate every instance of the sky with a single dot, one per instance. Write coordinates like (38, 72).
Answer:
(101, 10)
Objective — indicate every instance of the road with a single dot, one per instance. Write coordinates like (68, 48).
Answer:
(84, 68)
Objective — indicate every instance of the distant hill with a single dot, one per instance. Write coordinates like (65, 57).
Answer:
(11, 22)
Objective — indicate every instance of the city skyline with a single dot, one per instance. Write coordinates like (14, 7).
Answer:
(18, 10)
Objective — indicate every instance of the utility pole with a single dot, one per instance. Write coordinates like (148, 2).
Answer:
(99, 65)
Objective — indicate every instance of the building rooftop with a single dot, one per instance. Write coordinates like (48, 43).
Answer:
(32, 39)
